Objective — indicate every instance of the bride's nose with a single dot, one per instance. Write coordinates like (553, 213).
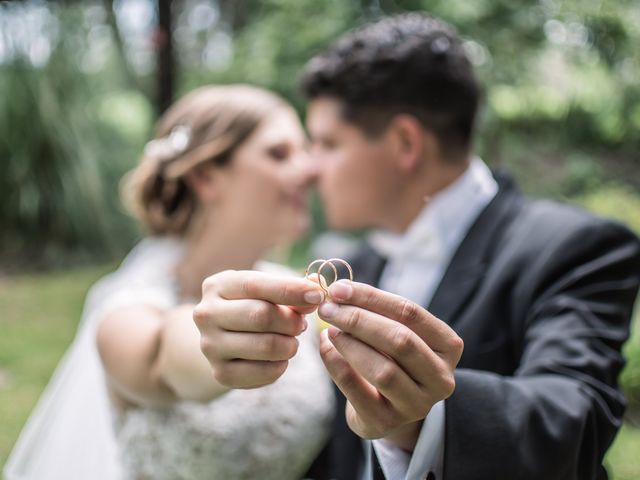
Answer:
(306, 167)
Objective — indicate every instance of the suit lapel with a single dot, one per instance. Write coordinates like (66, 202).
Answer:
(468, 264)
(367, 265)
(467, 267)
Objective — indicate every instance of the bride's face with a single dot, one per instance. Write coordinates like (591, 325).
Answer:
(264, 187)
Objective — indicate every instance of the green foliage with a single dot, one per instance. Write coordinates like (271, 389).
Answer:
(630, 378)
(273, 44)
(623, 204)
(617, 201)
(562, 100)
(67, 143)
(622, 460)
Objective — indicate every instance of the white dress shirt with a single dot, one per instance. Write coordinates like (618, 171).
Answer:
(417, 261)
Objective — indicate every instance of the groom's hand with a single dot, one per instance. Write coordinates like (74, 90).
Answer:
(391, 358)
(248, 323)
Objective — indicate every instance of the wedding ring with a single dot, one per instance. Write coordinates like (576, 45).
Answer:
(331, 262)
(324, 263)
(321, 281)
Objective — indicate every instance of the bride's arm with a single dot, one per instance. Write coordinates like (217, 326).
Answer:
(152, 357)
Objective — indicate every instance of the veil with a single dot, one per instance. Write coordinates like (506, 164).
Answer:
(70, 432)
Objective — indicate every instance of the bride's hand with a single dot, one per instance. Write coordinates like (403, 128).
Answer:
(248, 323)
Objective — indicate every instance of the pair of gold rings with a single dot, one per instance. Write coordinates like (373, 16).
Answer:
(323, 264)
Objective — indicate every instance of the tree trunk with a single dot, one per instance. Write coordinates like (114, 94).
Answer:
(166, 67)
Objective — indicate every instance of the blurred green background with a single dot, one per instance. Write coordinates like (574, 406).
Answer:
(82, 82)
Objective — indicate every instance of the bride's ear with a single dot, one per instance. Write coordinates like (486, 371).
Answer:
(203, 181)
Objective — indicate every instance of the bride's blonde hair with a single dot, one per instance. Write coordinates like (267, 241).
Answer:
(206, 125)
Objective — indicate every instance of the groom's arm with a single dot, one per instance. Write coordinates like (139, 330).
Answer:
(557, 414)
(555, 417)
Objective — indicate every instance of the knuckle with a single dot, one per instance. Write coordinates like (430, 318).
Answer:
(410, 312)
(209, 284)
(403, 341)
(448, 385)
(200, 316)
(372, 298)
(247, 285)
(285, 290)
(354, 319)
(386, 376)
(456, 345)
(276, 347)
(344, 378)
(207, 348)
(259, 315)
(269, 344)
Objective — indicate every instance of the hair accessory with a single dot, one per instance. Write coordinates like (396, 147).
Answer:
(440, 45)
(170, 146)
(324, 263)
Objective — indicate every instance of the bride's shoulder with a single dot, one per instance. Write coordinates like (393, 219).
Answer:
(145, 273)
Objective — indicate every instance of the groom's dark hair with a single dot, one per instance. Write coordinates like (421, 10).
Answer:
(411, 63)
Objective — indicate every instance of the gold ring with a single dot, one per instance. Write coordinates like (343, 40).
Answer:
(330, 262)
(320, 282)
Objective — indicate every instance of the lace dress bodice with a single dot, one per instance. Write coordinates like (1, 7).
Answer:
(267, 433)
(273, 432)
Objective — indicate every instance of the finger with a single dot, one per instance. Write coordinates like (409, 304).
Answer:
(364, 398)
(382, 372)
(254, 346)
(248, 373)
(320, 281)
(393, 339)
(277, 289)
(303, 310)
(257, 316)
(436, 333)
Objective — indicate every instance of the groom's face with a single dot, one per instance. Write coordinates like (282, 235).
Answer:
(358, 179)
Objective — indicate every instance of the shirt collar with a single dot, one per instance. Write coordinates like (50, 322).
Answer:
(444, 219)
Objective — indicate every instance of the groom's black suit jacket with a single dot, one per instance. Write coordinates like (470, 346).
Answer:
(541, 294)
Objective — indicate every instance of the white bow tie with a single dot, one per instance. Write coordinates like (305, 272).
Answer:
(423, 244)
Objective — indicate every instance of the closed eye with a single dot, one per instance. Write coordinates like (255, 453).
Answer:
(279, 152)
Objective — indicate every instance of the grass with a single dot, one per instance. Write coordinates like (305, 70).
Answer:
(38, 318)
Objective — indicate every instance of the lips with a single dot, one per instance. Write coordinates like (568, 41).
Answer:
(299, 200)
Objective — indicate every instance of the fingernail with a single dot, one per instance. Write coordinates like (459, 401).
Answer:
(328, 310)
(313, 296)
(305, 325)
(341, 290)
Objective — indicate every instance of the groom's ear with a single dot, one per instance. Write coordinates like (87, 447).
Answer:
(203, 181)
(412, 143)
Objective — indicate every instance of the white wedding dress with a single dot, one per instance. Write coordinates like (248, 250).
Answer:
(73, 433)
